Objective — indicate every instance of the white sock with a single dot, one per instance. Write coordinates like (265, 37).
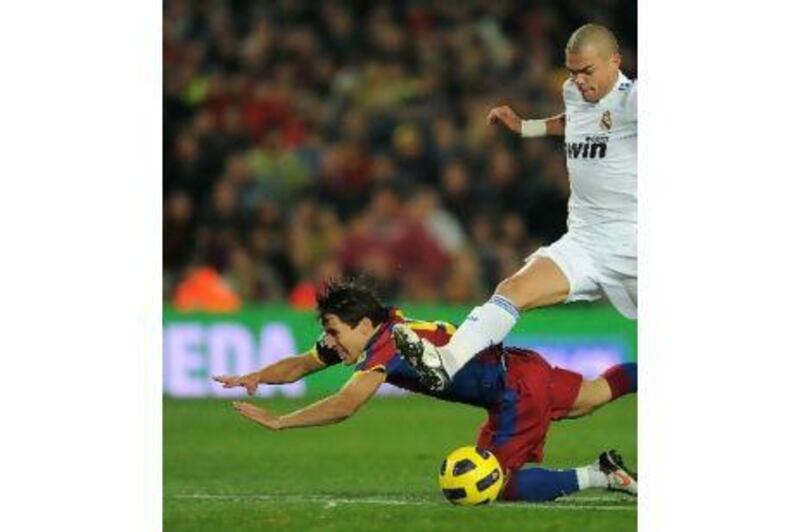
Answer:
(591, 477)
(485, 326)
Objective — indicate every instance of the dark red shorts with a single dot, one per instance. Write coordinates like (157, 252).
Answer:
(536, 394)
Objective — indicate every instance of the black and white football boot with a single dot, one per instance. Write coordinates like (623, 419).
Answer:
(423, 356)
(620, 478)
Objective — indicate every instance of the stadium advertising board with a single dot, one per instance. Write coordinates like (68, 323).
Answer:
(196, 346)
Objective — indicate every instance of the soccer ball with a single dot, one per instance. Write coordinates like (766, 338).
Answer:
(471, 476)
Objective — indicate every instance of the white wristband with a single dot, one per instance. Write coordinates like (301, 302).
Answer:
(534, 128)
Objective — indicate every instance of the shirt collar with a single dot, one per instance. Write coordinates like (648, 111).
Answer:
(621, 78)
(378, 337)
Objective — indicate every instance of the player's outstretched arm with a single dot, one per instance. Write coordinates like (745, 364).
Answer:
(286, 370)
(358, 390)
(527, 128)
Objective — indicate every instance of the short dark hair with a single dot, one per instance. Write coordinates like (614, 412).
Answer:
(351, 300)
(593, 34)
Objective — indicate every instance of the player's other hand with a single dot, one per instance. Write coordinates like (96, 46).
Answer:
(249, 382)
(507, 116)
(258, 415)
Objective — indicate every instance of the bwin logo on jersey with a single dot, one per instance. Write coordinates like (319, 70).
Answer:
(592, 148)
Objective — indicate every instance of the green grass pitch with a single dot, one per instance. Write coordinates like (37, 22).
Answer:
(375, 471)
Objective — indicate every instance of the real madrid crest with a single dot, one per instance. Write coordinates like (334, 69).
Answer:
(605, 121)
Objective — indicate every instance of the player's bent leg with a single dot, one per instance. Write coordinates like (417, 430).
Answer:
(539, 283)
(592, 395)
(615, 382)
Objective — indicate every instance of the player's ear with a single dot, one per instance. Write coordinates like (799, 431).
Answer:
(365, 325)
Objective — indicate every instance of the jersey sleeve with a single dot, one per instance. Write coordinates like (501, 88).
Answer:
(378, 356)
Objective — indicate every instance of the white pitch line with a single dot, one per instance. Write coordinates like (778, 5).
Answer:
(333, 501)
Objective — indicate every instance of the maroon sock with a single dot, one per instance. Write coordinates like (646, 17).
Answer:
(622, 379)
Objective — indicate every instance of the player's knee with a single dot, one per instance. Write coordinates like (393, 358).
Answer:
(506, 289)
(539, 285)
(598, 393)
(592, 395)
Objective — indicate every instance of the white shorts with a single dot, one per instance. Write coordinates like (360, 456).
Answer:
(593, 274)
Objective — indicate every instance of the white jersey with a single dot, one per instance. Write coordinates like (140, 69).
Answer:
(600, 144)
(597, 255)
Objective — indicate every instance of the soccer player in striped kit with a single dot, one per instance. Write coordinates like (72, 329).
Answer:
(520, 391)
(597, 256)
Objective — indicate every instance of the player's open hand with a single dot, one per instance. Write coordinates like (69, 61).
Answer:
(259, 415)
(249, 382)
(507, 116)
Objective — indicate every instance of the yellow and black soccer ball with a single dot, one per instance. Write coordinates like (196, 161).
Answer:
(471, 476)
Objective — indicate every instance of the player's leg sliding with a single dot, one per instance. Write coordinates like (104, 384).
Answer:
(486, 325)
(539, 283)
(540, 485)
(536, 484)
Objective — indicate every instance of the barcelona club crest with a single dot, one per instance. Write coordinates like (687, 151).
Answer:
(605, 121)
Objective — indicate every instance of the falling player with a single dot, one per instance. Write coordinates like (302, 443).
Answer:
(521, 392)
(597, 256)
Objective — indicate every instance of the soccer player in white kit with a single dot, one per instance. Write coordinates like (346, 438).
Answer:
(597, 256)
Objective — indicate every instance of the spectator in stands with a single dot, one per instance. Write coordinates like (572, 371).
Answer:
(305, 138)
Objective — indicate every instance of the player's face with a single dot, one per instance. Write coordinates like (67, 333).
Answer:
(592, 73)
(349, 342)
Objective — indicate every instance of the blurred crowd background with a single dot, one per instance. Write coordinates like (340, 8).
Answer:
(307, 139)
